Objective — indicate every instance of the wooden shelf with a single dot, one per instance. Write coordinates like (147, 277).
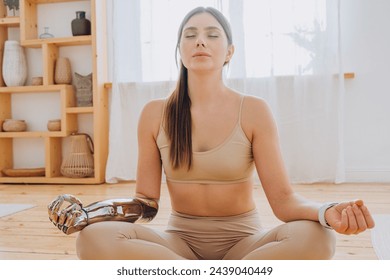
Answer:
(68, 111)
(10, 21)
(60, 42)
(79, 110)
(48, 180)
(33, 134)
(29, 89)
(52, 1)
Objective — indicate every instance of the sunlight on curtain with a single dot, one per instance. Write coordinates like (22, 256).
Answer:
(289, 56)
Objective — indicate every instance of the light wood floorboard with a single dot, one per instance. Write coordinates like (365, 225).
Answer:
(29, 234)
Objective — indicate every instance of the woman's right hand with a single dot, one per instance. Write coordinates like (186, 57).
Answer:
(351, 217)
(70, 219)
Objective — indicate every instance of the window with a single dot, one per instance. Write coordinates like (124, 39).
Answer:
(280, 37)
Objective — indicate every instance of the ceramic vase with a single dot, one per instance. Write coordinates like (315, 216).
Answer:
(14, 64)
(80, 25)
(63, 71)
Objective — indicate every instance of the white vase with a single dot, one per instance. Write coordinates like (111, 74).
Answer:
(14, 64)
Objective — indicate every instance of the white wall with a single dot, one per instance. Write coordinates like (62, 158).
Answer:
(366, 51)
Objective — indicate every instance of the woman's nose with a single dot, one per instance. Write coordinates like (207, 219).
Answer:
(200, 42)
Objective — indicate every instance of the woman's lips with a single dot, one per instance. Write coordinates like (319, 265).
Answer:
(201, 54)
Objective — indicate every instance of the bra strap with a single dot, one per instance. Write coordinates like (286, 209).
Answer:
(163, 112)
(240, 112)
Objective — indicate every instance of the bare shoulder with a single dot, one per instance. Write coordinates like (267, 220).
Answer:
(254, 102)
(255, 109)
(154, 107)
(256, 115)
(151, 115)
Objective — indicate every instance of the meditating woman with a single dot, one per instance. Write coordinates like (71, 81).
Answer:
(208, 139)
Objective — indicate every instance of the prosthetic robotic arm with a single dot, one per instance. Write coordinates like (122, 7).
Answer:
(75, 217)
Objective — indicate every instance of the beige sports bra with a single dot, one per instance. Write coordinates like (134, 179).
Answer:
(228, 163)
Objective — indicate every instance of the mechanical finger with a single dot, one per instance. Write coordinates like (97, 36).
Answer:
(63, 217)
(72, 199)
(54, 209)
(71, 222)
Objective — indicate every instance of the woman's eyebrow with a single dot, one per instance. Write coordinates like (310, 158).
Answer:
(193, 28)
(212, 28)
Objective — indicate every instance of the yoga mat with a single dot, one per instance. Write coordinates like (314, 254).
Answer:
(9, 209)
(380, 236)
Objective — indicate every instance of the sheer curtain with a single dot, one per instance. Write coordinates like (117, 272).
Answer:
(289, 56)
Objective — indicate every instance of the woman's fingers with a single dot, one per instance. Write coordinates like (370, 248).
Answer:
(360, 220)
(356, 219)
(352, 223)
(344, 222)
(367, 215)
(359, 202)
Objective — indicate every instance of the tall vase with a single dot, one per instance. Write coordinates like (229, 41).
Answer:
(14, 64)
(81, 25)
(62, 72)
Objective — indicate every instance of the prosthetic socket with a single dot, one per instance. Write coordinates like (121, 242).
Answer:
(75, 217)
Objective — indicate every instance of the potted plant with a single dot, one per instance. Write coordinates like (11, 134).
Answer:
(311, 39)
(13, 5)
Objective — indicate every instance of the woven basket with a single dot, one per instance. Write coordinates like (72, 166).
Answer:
(79, 162)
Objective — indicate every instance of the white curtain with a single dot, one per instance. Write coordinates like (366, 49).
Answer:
(286, 51)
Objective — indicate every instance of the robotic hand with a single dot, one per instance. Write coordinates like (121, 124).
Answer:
(75, 217)
(70, 219)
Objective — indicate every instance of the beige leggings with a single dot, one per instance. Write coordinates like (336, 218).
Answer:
(193, 237)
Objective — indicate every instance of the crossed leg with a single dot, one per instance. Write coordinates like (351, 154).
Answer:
(294, 240)
(120, 240)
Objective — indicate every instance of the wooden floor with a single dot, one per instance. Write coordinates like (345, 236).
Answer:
(30, 235)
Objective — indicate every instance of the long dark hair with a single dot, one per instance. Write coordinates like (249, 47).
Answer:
(178, 111)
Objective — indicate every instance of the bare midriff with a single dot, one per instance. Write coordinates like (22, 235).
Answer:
(211, 199)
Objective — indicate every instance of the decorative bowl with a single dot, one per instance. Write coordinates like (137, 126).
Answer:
(24, 172)
(11, 125)
(54, 125)
(37, 81)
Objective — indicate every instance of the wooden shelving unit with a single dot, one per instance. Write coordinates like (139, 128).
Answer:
(53, 141)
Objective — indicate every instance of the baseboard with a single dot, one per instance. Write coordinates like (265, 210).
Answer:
(360, 175)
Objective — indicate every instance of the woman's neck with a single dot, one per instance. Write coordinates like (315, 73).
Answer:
(204, 88)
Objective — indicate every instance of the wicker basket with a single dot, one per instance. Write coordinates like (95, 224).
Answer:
(79, 162)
